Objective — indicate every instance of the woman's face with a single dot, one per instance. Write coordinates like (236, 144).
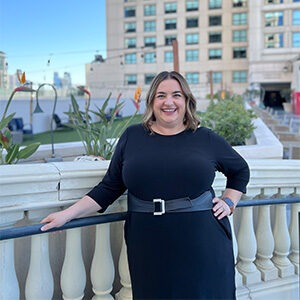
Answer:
(169, 104)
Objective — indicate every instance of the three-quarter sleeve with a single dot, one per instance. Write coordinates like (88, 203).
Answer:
(112, 186)
(230, 163)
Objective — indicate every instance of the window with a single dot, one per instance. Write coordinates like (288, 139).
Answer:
(239, 3)
(296, 17)
(239, 76)
(169, 39)
(215, 20)
(215, 37)
(150, 57)
(170, 24)
(130, 43)
(239, 19)
(239, 52)
(296, 39)
(150, 10)
(192, 5)
(191, 22)
(129, 12)
(192, 78)
(149, 26)
(239, 36)
(273, 19)
(169, 57)
(170, 7)
(214, 54)
(150, 41)
(274, 40)
(130, 58)
(192, 55)
(130, 27)
(192, 38)
(130, 79)
(149, 78)
(217, 77)
(215, 4)
(273, 1)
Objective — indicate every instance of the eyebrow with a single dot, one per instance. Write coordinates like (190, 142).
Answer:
(175, 92)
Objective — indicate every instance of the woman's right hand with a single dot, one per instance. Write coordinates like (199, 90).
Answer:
(56, 219)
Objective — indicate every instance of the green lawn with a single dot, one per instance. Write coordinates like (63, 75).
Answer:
(66, 135)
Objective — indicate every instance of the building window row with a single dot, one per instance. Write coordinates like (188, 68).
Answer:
(190, 39)
(190, 55)
(191, 77)
(271, 40)
(193, 22)
(171, 7)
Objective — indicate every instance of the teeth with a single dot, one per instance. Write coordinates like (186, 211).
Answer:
(169, 110)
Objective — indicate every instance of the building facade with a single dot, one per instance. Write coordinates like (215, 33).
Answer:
(233, 45)
(3, 71)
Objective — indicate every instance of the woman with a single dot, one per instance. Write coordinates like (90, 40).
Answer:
(177, 232)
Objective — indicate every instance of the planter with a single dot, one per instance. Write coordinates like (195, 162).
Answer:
(287, 107)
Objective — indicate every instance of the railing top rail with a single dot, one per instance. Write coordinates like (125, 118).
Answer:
(16, 232)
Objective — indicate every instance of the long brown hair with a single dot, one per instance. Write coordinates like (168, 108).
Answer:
(190, 120)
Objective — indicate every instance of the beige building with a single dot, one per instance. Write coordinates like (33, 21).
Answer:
(234, 44)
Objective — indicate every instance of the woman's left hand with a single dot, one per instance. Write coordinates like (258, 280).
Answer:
(220, 209)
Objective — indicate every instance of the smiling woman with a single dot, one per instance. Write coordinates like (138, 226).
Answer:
(176, 228)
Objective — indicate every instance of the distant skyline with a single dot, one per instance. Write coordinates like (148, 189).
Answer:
(42, 37)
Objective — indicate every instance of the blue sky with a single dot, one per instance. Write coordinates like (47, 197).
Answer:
(43, 36)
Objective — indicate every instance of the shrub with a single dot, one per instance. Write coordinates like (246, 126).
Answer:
(230, 119)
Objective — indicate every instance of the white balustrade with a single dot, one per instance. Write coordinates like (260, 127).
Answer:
(126, 292)
(39, 282)
(73, 276)
(282, 242)
(8, 278)
(265, 245)
(247, 247)
(294, 234)
(267, 257)
(102, 269)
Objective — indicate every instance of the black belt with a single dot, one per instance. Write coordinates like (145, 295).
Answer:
(159, 206)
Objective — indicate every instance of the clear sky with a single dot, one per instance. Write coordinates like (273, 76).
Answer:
(44, 36)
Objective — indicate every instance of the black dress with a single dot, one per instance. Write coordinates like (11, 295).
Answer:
(180, 255)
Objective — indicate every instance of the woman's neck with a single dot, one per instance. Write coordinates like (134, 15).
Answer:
(167, 130)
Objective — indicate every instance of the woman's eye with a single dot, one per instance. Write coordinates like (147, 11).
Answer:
(177, 95)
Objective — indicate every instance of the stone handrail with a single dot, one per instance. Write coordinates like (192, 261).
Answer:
(91, 262)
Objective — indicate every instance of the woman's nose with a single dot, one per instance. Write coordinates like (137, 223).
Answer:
(169, 99)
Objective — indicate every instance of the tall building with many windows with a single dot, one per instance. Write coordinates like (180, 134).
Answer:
(222, 44)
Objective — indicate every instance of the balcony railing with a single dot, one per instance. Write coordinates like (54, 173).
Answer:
(54, 266)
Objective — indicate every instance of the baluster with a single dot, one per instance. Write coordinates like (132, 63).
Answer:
(282, 242)
(238, 276)
(126, 291)
(73, 276)
(294, 233)
(265, 245)
(39, 281)
(247, 248)
(9, 283)
(102, 269)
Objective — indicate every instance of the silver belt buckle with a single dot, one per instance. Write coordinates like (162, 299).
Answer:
(162, 207)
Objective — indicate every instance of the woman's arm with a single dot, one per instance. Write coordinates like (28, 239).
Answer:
(84, 207)
(221, 208)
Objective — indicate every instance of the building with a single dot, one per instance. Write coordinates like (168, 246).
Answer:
(3, 71)
(233, 45)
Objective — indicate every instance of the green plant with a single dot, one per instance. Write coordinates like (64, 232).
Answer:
(10, 153)
(230, 119)
(99, 138)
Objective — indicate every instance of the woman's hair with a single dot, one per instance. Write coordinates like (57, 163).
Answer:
(190, 119)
